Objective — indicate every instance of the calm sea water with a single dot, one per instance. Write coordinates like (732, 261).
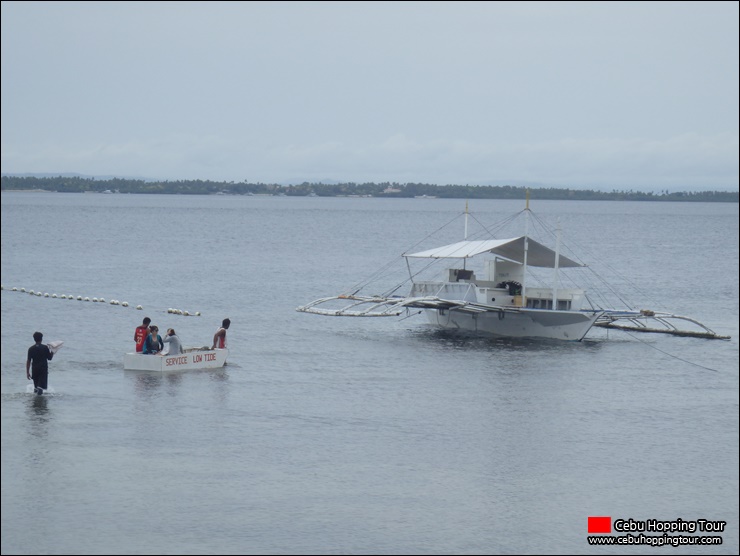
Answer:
(332, 436)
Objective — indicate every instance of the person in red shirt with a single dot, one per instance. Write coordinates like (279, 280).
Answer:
(141, 333)
(219, 338)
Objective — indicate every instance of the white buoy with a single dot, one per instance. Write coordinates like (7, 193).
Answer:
(197, 313)
(15, 289)
(79, 298)
(38, 294)
(87, 299)
(32, 292)
(139, 307)
(22, 289)
(186, 313)
(125, 303)
(53, 295)
(46, 295)
(63, 296)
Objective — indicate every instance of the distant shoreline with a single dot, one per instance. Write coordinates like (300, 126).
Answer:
(75, 184)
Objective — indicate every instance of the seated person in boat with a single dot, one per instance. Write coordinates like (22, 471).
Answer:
(153, 343)
(175, 347)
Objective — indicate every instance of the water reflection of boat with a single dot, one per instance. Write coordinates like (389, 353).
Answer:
(500, 298)
(192, 359)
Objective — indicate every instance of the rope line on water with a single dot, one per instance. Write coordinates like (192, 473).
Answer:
(668, 354)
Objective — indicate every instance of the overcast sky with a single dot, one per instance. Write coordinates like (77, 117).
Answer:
(596, 95)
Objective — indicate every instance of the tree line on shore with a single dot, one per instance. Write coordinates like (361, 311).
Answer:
(74, 184)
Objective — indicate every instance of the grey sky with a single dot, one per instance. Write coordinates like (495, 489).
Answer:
(600, 95)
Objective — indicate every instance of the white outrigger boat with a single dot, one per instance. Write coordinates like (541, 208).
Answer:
(499, 300)
(192, 359)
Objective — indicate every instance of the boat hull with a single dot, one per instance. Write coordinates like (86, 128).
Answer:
(523, 323)
(190, 360)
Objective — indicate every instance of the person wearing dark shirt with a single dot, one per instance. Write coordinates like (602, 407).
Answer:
(37, 364)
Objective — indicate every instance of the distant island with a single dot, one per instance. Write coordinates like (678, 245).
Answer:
(73, 184)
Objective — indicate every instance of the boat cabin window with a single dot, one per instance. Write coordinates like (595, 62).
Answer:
(563, 304)
(457, 274)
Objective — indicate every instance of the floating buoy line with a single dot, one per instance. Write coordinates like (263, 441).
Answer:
(96, 300)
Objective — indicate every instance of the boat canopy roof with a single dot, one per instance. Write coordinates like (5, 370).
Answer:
(512, 249)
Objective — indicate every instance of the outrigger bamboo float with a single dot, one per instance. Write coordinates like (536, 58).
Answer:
(639, 323)
(500, 301)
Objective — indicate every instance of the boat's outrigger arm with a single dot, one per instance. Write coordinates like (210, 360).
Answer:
(378, 306)
(353, 306)
(638, 321)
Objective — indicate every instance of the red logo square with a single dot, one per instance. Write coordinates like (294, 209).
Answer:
(600, 524)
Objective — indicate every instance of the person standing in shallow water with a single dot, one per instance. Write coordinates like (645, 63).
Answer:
(219, 338)
(37, 363)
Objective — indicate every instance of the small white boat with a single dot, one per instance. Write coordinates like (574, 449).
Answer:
(192, 359)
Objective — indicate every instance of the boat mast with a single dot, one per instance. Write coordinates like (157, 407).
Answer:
(466, 230)
(526, 249)
(466, 220)
(557, 264)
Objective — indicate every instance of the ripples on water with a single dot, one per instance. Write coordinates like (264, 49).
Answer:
(330, 435)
